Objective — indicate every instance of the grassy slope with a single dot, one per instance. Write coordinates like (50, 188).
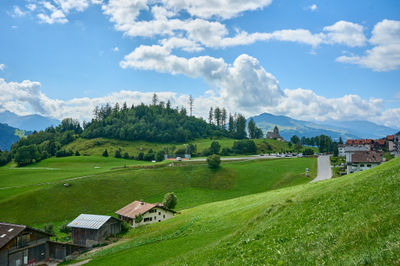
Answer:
(349, 220)
(107, 192)
(54, 169)
(98, 145)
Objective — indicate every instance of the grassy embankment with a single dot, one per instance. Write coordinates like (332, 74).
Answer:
(348, 220)
(98, 145)
(104, 193)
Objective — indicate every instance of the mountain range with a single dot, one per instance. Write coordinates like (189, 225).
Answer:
(9, 135)
(27, 122)
(335, 129)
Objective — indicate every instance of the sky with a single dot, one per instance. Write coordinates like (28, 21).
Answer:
(312, 60)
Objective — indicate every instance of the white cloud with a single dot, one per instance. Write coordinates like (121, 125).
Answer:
(344, 32)
(385, 55)
(224, 9)
(55, 15)
(2, 66)
(17, 12)
(31, 7)
(313, 7)
(67, 5)
(116, 49)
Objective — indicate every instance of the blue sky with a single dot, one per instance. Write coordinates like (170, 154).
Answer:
(312, 60)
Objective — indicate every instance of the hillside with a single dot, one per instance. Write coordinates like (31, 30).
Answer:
(103, 192)
(98, 145)
(27, 122)
(348, 220)
(8, 136)
(345, 129)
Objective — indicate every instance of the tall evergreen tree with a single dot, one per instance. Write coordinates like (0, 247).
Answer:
(191, 100)
(217, 116)
(231, 126)
(210, 116)
(223, 118)
(251, 127)
(154, 101)
(241, 127)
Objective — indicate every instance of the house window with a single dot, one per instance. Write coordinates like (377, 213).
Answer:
(155, 218)
(147, 219)
(163, 216)
(159, 213)
(368, 165)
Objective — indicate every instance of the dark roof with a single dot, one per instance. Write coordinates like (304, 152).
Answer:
(9, 231)
(366, 157)
(358, 141)
(139, 207)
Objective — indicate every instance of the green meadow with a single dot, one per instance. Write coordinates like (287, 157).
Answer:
(106, 192)
(351, 220)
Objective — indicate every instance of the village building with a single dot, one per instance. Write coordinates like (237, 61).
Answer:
(363, 160)
(23, 245)
(396, 145)
(341, 150)
(151, 213)
(274, 134)
(89, 229)
(390, 143)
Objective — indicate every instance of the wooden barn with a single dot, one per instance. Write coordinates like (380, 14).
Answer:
(89, 229)
(22, 245)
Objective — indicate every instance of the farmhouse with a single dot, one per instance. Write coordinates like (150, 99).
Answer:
(22, 245)
(151, 213)
(89, 229)
(363, 160)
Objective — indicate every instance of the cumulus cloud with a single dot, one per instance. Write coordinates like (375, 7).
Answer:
(26, 97)
(344, 32)
(385, 55)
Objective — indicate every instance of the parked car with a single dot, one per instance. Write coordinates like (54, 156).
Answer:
(178, 159)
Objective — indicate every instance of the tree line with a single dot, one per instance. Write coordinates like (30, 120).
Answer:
(157, 122)
(323, 142)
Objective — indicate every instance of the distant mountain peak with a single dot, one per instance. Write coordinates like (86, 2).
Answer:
(34, 122)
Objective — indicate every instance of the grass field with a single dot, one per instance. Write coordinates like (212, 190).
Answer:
(54, 169)
(351, 220)
(98, 145)
(106, 192)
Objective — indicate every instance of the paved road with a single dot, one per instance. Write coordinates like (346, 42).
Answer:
(324, 168)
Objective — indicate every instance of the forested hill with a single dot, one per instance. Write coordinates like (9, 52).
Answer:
(155, 123)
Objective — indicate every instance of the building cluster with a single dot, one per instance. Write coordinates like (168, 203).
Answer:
(23, 245)
(362, 154)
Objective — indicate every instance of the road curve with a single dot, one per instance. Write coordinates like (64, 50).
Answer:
(324, 168)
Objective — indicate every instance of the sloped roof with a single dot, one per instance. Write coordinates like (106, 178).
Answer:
(358, 141)
(89, 221)
(9, 231)
(139, 207)
(366, 157)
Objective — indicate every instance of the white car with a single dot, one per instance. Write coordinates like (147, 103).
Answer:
(178, 159)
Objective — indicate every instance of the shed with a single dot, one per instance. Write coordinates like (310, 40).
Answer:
(90, 229)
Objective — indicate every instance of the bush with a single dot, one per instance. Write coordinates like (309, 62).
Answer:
(105, 153)
(65, 229)
(126, 155)
(149, 157)
(215, 147)
(138, 218)
(170, 200)
(206, 152)
(244, 147)
(117, 154)
(226, 151)
(49, 228)
(77, 153)
(308, 152)
(140, 156)
(160, 156)
(64, 153)
(125, 227)
(213, 161)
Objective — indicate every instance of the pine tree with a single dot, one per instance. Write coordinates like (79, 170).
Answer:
(251, 127)
(210, 116)
(217, 116)
(191, 100)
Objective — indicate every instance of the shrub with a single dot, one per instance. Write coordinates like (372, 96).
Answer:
(126, 155)
(105, 153)
(117, 154)
(160, 156)
(125, 227)
(65, 229)
(308, 152)
(226, 151)
(49, 228)
(77, 153)
(244, 147)
(213, 161)
(140, 156)
(170, 200)
(215, 147)
(149, 157)
(138, 218)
